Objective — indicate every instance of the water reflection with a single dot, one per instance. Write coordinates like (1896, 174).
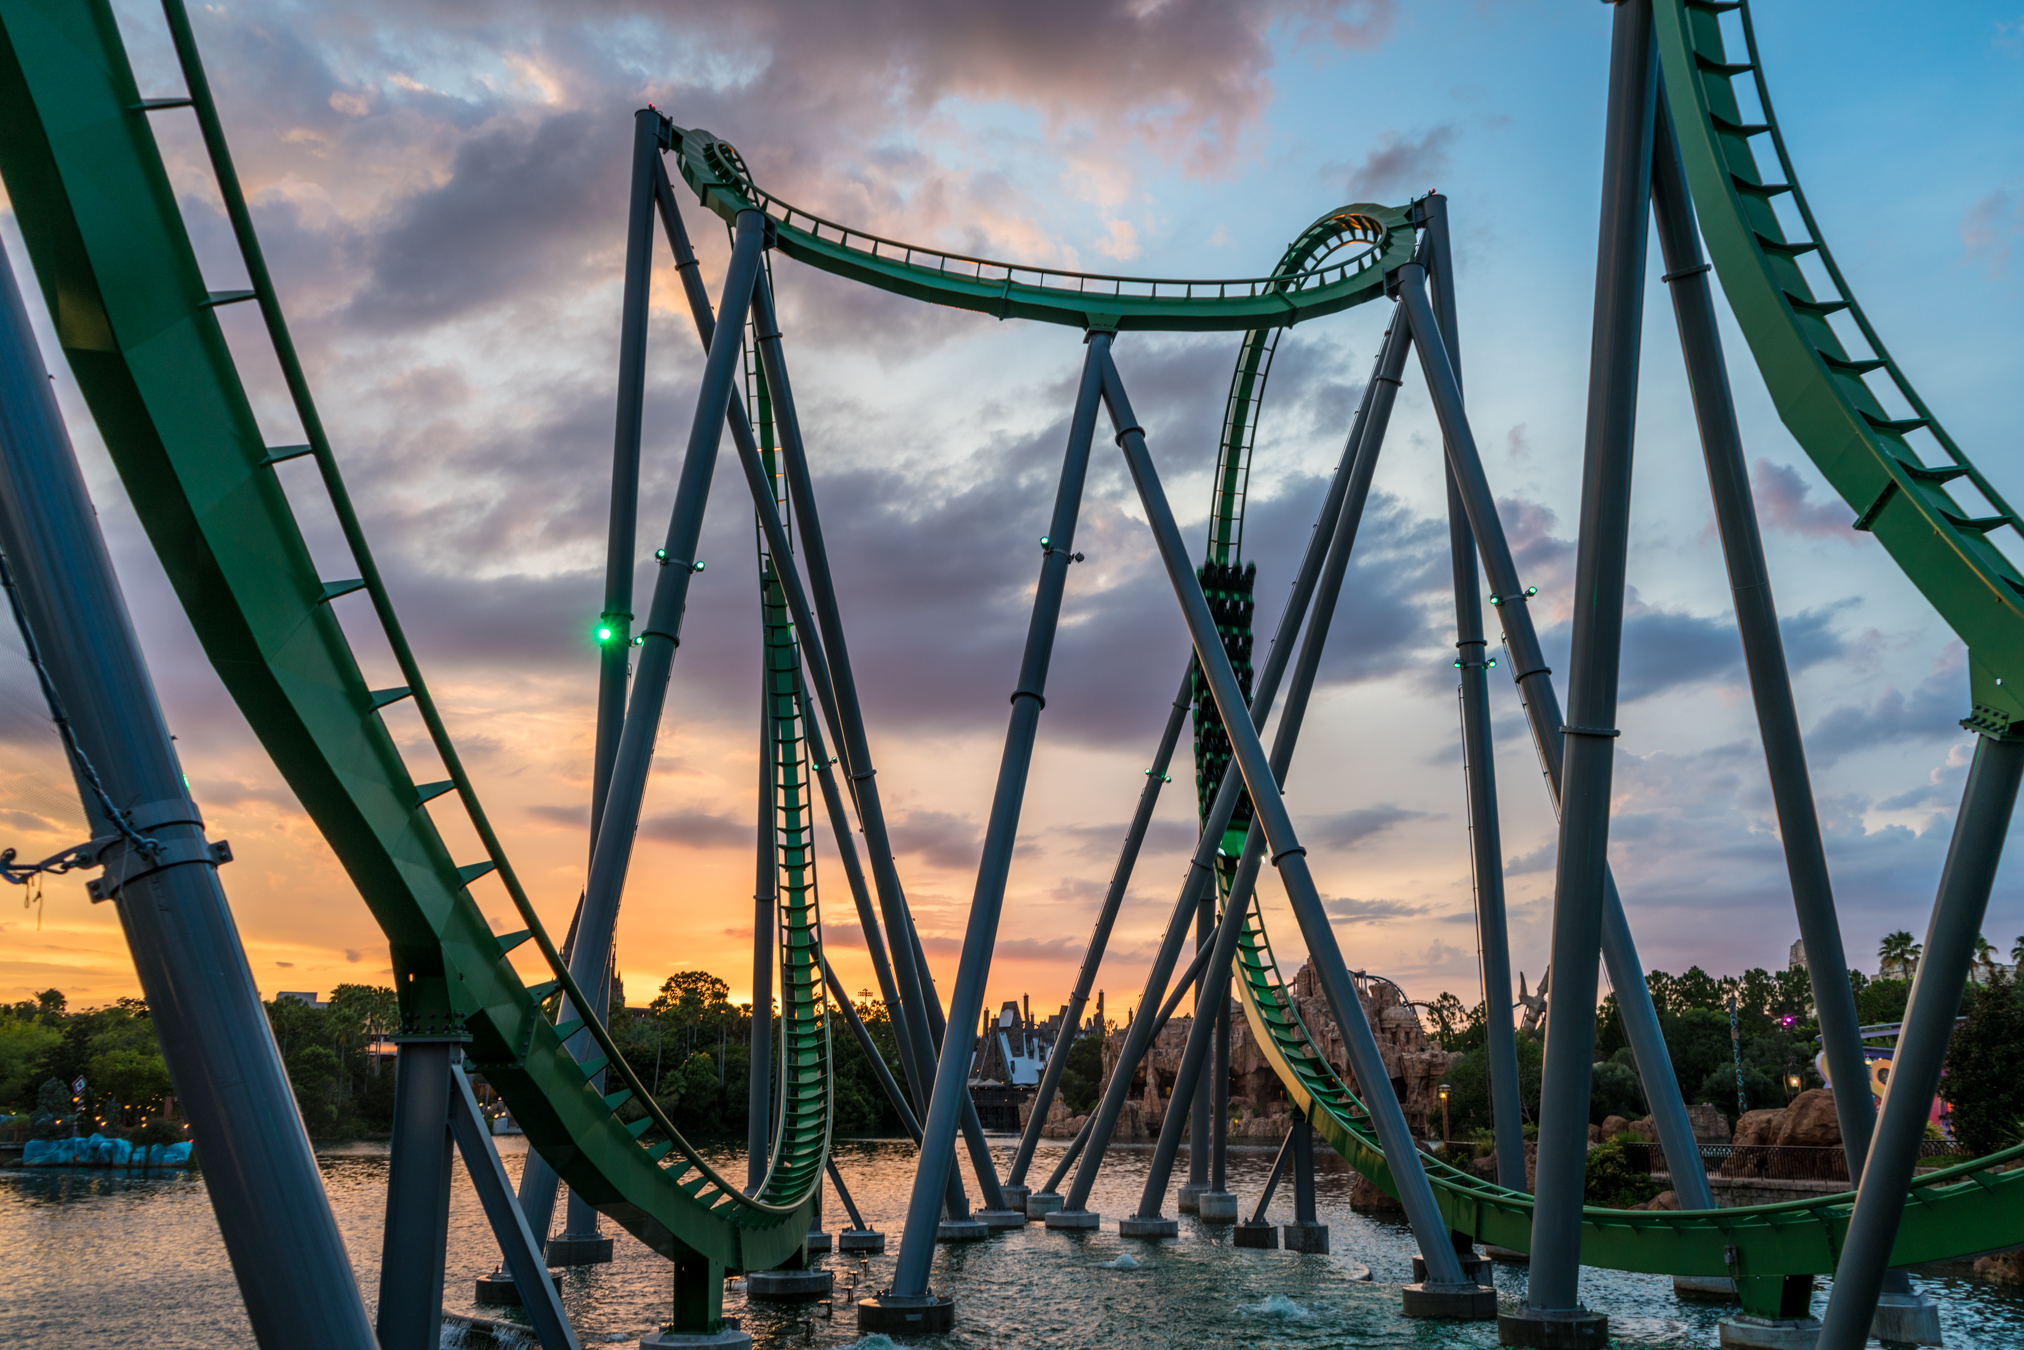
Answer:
(137, 1260)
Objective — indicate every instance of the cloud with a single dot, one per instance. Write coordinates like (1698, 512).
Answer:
(1350, 829)
(1401, 166)
(1785, 502)
(1989, 230)
(1347, 910)
(1931, 712)
(1540, 859)
(938, 838)
(700, 829)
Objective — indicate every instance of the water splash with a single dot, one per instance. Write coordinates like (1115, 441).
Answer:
(875, 1341)
(1125, 1261)
(1278, 1306)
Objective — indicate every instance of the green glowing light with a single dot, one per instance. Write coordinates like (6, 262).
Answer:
(604, 634)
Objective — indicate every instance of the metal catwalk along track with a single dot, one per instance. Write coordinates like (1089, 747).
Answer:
(138, 325)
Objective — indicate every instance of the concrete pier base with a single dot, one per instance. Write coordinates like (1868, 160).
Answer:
(1704, 1288)
(789, 1283)
(1190, 1193)
(1216, 1207)
(1015, 1197)
(1475, 1269)
(996, 1219)
(1454, 1302)
(1770, 1333)
(497, 1290)
(730, 1338)
(1258, 1235)
(1305, 1237)
(961, 1230)
(1040, 1204)
(906, 1315)
(860, 1240)
(1073, 1220)
(578, 1251)
(1576, 1330)
(1148, 1226)
(1906, 1319)
(818, 1242)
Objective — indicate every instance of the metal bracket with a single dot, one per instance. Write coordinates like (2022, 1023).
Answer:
(130, 864)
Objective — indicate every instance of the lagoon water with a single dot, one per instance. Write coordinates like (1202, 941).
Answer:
(97, 1258)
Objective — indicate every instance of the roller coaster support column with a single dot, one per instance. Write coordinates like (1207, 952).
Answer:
(1977, 846)
(765, 896)
(1486, 848)
(1446, 1286)
(1534, 679)
(1553, 1314)
(1214, 989)
(910, 967)
(1199, 1106)
(966, 1000)
(418, 1195)
(286, 1252)
(1306, 1233)
(580, 1243)
(1255, 1231)
(1092, 959)
(760, 483)
(1202, 867)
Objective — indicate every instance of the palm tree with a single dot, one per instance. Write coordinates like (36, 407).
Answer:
(2017, 953)
(1985, 957)
(1899, 950)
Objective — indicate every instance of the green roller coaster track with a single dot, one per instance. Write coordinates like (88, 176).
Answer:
(139, 328)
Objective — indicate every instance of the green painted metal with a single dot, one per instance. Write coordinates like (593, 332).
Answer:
(138, 327)
(1374, 240)
(1824, 391)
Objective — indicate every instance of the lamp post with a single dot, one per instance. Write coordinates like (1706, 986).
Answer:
(1444, 1115)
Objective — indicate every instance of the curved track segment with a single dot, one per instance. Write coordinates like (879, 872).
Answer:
(1823, 391)
(1375, 238)
(140, 331)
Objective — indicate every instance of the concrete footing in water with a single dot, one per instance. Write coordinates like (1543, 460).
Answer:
(730, 1338)
(1148, 1226)
(1015, 1197)
(1704, 1288)
(818, 1242)
(1260, 1235)
(1538, 1330)
(962, 1230)
(1454, 1302)
(578, 1251)
(1000, 1218)
(1906, 1319)
(1305, 1237)
(1040, 1204)
(789, 1283)
(1475, 1269)
(497, 1290)
(1190, 1193)
(1770, 1333)
(1216, 1207)
(860, 1240)
(906, 1315)
(1072, 1219)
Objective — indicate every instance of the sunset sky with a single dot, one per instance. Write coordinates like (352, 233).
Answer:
(440, 189)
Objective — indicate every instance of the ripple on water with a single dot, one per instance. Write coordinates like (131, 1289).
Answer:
(1278, 1305)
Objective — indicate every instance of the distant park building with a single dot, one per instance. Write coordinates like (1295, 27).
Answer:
(1797, 959)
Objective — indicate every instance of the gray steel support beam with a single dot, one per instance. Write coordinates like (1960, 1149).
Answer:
(1272, 1178)
(1534, 679)
(765, 897)
(1589, 747)
(517, 1242)
(1106, 918)
(1029, 696)
(1198, 1095)
(612, 853)
(1219, 1126)
(1248, 752)
(1201, 868)
(1303, 1175)
(272, 1213)
(1763, 645)
(843, 1194)
(1977, 846)
(1479, 766)
(920, 1014)
(417, 1226)
(1214, 989)
(869, 1048)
